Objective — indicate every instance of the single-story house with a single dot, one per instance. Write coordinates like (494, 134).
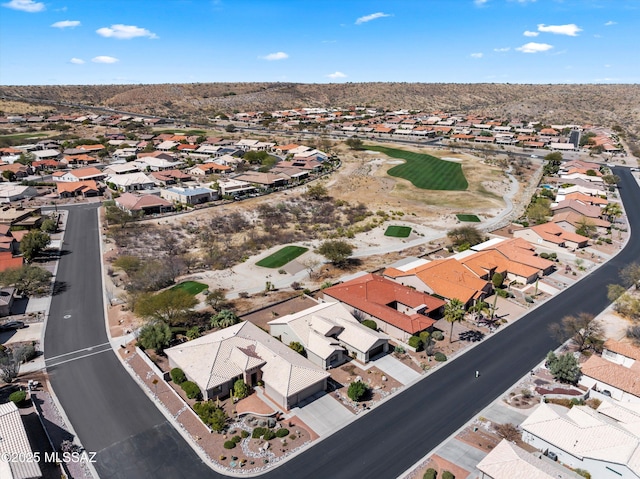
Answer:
(169, 177)
(190, 196)
(83, 188)
(13, 192)
(604, 441)
(15, 443)
(89, 173)
(122, 168)
(552, 236)
(148, 204)
(19, 170)
(330, 335)
(447, 278)
(230, 186)
(209, 169)
(616, 373)
(267, 180)
(509, 461)
(590, 211)
(243, 351)
(520, 251)
(130, 181)
(398, 310)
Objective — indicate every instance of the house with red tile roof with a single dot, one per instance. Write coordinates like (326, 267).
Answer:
(590, 211)
(83, 159)
(148, 204)
(552, 236)
(571, 221)
(521, 251)
(8, 261)
(586, 199)
(44, 164)
(89, 173)
(169, 177)
(615, 374)
(447, 278)
(398, 310)
(486, 263)
(84, 188)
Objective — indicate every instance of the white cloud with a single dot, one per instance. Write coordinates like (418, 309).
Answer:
(124, 32)
(480, 3)
(275, 56)
(533, 47)
(104, 59)
(477, 55)
(609, 23)
(25, 5)
(571, 29)
(66, 24)
(502, 50)
(336, 75)
(529, 33)
(77, 61)
(373, 16)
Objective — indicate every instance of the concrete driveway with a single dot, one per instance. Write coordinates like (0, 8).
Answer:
(33, 332)
(396, 369)
(324, 414)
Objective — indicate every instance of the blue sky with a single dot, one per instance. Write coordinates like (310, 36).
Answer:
(310, 41)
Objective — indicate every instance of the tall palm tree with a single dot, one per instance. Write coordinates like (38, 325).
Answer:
(454, 312)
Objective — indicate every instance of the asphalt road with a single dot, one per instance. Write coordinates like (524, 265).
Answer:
(113, 417)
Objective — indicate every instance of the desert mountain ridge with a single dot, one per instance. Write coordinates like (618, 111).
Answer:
(601, 104)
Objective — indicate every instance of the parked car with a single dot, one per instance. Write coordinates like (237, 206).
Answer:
(8, 326)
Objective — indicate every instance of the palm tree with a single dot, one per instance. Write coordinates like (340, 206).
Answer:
(224, 319)
(612, 211)
(478, 308)
(454, 312)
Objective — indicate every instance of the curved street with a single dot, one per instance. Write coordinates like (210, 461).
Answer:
(114, 418)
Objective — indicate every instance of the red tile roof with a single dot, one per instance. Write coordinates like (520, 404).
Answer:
(7, 261)
(374, 294)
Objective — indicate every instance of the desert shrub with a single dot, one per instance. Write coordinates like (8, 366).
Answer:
(437, 336)
(370, 323)
(440, 356)
(229, 444)
(244, 434)
(357, 390)
(18, 397)
(258, 432)
(25, 352)
(448, 475)
(583, 473)
(268, 435)
(282, 432)
(293, 437)
(430, 474)
(236, 439)
(177, 376)
(191, 389)
(415, 342)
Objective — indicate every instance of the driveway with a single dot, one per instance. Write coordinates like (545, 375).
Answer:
(324, 414)
(394, 368)
(32, 332)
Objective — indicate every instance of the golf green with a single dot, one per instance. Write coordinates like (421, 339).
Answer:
(425, 171)
(282, 256)
(398, 231)
(469, 218)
